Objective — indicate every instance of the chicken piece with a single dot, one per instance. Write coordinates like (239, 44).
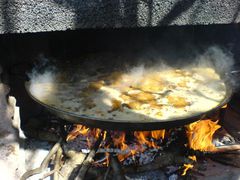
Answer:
(125, 97)
(134, 105)
(152, 85)
(177, 101)
(159, 114)
(155, 105)
(142, 96)
(116, 105)
(182, 84)
(96, 85)
(87, 92)
(114, 78)
(126, 89)
(182, 72)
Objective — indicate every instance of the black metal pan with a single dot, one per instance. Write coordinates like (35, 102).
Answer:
(130, 125)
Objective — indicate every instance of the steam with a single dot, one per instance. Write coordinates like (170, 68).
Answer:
(214, 57)
(43, 72)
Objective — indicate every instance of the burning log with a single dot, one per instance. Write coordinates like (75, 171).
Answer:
(44, 164)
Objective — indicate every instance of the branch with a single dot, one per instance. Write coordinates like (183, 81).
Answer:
(74, 160)
(87, 162)
(57, 164)
(44, 164)
(227, 148)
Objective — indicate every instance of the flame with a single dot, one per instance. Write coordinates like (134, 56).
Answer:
(200, 135)
(157, 134)
(91, 134)
(194, 158)
(186, 168)
(78, 130)
(143, 140)
(119, 141)
(145, 137)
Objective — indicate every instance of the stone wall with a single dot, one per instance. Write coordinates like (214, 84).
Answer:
(20, 16)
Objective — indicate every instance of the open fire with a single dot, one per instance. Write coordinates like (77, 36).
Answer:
(94, 151)
(140, 140)
(129, 100)
(127, 145)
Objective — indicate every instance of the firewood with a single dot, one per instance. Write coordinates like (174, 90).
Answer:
(164, 160)
(57, 164)
(44, 164)
(227, 148)
(89, 159)
(74, 160)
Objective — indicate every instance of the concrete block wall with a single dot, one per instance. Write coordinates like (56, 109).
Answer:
(21, 16)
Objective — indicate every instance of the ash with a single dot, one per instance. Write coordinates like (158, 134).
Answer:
(145, 157)
(154, 175)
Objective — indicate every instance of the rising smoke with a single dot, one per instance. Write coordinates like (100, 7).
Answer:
(214, 57)
(42, 72)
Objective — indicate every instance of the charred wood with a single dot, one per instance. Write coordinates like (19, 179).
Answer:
(165, 159)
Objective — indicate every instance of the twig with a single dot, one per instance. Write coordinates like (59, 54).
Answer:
(116, 166)
(44, 164)
(57, 164)
(48, 174)
(89, 159)
(119, 151)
